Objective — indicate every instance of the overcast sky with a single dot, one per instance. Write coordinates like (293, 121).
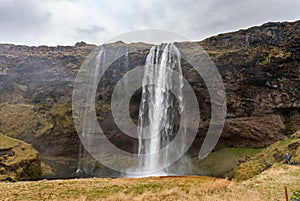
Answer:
(65, 22)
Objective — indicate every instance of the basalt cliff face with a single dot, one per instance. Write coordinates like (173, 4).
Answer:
(260, 68)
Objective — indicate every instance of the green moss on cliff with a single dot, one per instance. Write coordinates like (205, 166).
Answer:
(222, 163)
(265, 61)
(18, 160)
(48, 127)
(17, 119)
(63, 115)
(269, 156)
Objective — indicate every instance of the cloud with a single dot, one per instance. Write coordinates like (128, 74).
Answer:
(93, 29)
(21, 20)
(14, 14)
(64, 22)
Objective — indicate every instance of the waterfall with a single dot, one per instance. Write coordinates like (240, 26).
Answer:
(159, 109)
(126, 67)
(161, 114)
(85, 165)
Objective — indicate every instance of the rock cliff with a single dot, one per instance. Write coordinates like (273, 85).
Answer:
(260, 68)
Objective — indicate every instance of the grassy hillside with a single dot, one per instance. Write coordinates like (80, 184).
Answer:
(244, 163)
(222, 163)
(18, 160)
(275, 153)
(267, 186)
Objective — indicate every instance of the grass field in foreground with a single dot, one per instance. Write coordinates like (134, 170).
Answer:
(267, 186)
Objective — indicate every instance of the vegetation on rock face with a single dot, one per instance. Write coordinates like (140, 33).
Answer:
(49, 128)
(269, 156)
(18, 160)
(248, 170)
(222, 163)
(244, 163)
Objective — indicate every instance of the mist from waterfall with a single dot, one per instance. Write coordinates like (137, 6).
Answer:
(86, 165)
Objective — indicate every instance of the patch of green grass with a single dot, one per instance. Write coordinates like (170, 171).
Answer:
(93, 192)
(99, 192)
(7, 142)
(47, 186)
(68, 105)
(283, 142)
(222, 163)
(272, 155)
(248, 170)
(276, 152)
(153, 187)
(295, 194)
(265, 61)
(22, 151)
(35, 184)
(74, 192)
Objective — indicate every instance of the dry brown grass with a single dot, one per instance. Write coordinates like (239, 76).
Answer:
(266, 186)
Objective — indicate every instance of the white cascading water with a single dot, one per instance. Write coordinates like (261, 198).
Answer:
(159, 113)
(159, 109)
(84, 165)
